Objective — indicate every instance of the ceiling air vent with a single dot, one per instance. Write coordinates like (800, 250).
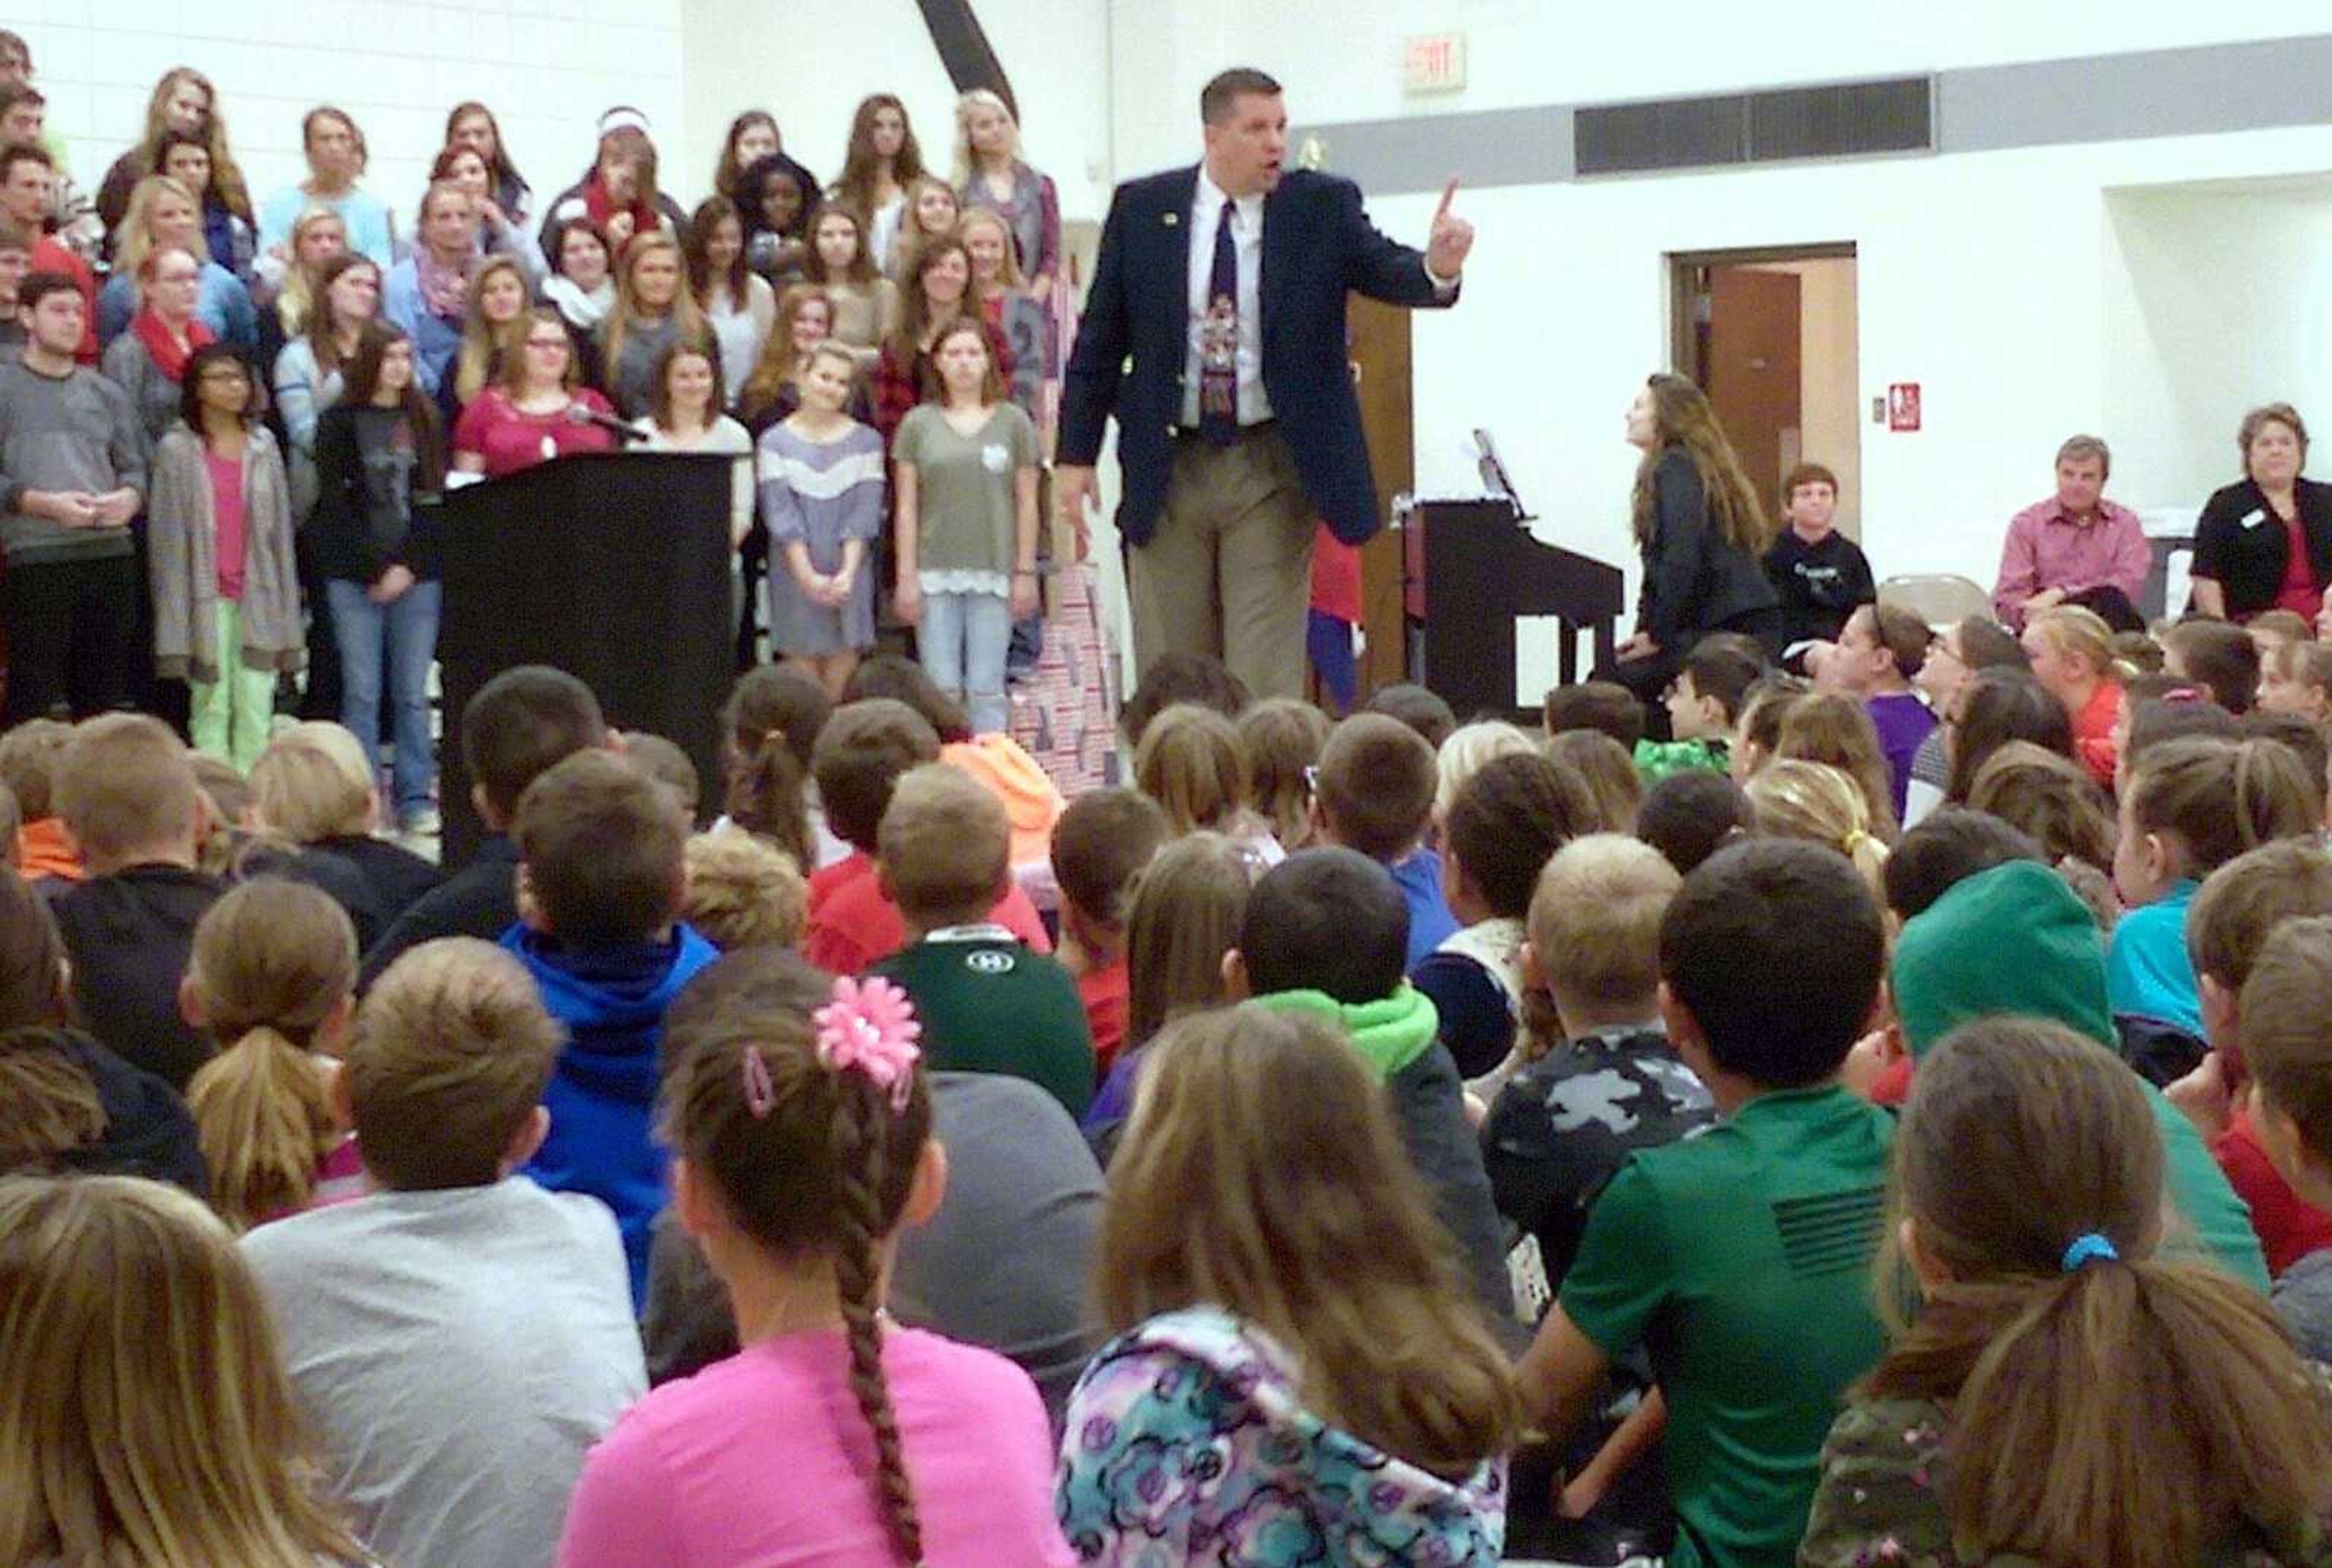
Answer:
(1851, 119)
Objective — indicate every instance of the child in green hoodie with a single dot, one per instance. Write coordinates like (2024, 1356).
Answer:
(1704, 703)
(1327, 932)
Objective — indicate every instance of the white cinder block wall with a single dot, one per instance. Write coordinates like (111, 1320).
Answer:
(547, 67)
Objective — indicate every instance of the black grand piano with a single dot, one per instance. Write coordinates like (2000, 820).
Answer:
(1469, 568)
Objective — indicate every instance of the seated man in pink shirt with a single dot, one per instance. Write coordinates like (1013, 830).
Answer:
(2077, 547)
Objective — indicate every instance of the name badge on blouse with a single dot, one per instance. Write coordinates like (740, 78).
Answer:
(2254, 517)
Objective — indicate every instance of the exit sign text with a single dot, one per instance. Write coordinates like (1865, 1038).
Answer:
(1434, 63)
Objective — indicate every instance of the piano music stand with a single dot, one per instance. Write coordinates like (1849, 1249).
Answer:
(1469, 568)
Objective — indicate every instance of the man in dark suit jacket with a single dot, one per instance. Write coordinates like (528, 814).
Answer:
(1215, 332)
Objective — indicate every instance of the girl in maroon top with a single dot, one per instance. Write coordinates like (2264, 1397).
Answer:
(525, 419)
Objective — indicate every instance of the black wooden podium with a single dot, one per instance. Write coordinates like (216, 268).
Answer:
(1469, 569)
(613, 567)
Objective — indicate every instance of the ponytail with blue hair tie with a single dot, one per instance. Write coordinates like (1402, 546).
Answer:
(2091, 1247)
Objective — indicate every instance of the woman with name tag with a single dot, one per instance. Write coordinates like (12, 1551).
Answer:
(2265, 542)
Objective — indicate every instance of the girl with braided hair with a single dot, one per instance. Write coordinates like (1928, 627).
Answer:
(834, 1437)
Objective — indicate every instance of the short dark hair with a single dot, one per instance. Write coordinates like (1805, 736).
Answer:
(1690, 815)
(190, 383)
(1775, 946)
(1181, 678)
(602, 845)
(1604, 705)
(1987, 644)
(862, 753)
(1377, 782)
(17, 152)
(1101, 843)
(1724, 674)
(1950, 845)
(1421, 710)
(2185, 715)
(1508, 820)
(39, 286)
(1215, 98)
(903, 680)
(1806, 473)
(1326, 920)
(2220, 655)
(521, 724)
(1904, 636)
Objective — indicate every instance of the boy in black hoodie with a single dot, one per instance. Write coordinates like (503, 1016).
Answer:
(127, 792)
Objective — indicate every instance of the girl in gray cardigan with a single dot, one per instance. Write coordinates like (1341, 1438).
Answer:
(226, 595)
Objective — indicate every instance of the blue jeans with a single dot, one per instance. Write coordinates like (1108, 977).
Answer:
(407, 630)
(962, 641)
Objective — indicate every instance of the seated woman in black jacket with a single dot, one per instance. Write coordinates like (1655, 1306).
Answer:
(380, 454)
(1703, 535)
(2266, 542)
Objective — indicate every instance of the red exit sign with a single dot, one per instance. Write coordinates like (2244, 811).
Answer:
(1435, 62)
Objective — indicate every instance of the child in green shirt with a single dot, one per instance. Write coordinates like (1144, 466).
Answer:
(1704, 705)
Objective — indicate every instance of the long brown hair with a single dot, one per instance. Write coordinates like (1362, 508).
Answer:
(861, 270)
(780, 361)
(323, 325)
(772, 720)
(915, 305)
(1183, 915)
(485, 347)
(1283, 737)
(696, 248)
(420, 411)
(1685, 419)
(1261, 1173)
(226, 175)
(2220, 798)
(1830, 727)
(2123, 1412)
(857, 185)
(149, 1418)
(271, 962)
(822, 1168)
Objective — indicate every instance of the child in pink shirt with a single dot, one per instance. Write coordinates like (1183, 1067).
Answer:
(835, 1437)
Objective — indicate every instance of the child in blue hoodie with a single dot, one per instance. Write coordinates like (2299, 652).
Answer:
(2187, 809)
(601, 871)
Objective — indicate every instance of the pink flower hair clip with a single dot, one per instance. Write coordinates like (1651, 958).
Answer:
(869, 1028)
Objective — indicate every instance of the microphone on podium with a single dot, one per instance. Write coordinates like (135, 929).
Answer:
(579, 414)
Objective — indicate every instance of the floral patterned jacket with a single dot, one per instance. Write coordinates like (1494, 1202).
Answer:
(1186, 1442)
(1882, 1503)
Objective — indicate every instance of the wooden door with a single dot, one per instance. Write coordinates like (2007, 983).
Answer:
(1378, 338)
(1751, 369)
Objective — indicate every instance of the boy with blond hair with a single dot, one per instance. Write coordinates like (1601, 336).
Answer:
(459, 1338)
(987, 1002)
(743, 891)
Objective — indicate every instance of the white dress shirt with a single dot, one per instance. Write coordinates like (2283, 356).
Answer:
(1246, 239)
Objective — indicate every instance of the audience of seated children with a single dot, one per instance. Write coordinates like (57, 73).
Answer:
(2189, 806)
(514, 730)
(1704, 703)
(1185, 915)
(1507, 821)
(141, 1126)
(1021, 1183)
(600, 868)
(2297, 678)
(1832, 728)
(1190, 763)
(742, 891)
(1324, 936)
(1878, 658)
(271, 980)
(986, 1001)
(1422, 710)
(30, 757)
(862, 753)
(1959, 652)
(1609, 771)
(2053, 801)
(127, 795)
(1816, 802)
(1689, 817)
(313, 787)
(1265, 1235)
(453, 1420)
(2073, 1387)
(1739, 1258)
(1948, 969)
(1105, 840)
(1374, 794)
(2239, 907)
(1610, 1084)
(2218, 657)
(2288, 1056)
(108, 1283)
(2071, 651)
(803, 1151)
(1282, 738)
(769, 728)
(1602, 705)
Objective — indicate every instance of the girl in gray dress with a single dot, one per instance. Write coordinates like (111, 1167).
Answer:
(821, 478)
